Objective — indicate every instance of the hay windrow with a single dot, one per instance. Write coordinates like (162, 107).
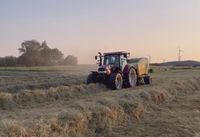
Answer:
(97, 116)
(34, 97)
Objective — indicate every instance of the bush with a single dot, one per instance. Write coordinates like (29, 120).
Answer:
(8, 61)
(70, 60)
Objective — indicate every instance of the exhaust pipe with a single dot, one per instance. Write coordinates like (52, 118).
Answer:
(100, 56)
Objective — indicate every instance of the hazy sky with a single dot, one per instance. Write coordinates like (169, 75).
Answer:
(82, 27)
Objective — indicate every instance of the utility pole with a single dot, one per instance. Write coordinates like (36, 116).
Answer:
(179, 54)
(150, 57)
(163, 60)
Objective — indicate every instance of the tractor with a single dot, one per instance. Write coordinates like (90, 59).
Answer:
(116, 70)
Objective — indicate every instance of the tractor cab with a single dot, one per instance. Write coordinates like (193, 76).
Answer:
(114, 60)
(111, 60)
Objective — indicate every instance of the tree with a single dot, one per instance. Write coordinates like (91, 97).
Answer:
(2, 62)
(36, 54)
(8, 61)
(31, 55)
(29, 46)
(70, 60)
(11, 61)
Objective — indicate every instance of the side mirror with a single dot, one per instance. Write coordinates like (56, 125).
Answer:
(98, 62)
(96, 57)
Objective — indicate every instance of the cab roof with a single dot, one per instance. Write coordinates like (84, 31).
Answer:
(117, 53)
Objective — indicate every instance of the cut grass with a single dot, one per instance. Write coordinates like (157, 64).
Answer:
(89, 110)
(99, 116)
(16, 79)
(49, 68)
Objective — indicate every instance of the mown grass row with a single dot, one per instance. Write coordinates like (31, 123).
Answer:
(13, 82)
(9, 101)
(97, 116)
(49, 68)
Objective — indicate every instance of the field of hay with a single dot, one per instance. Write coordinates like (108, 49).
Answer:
(56, 102)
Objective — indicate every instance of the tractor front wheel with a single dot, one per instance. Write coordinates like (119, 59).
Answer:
(115, 81)
(91, 78)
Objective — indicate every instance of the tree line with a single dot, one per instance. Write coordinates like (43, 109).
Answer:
(34, 53)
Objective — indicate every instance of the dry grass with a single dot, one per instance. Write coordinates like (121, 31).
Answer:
(13, 129)
(96, 119)
(6, 100)
(88, 110)
(35, 97)
(17, 79)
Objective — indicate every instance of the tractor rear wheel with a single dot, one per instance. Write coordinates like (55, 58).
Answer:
(91, 78)
(132, 78)
(115, 81)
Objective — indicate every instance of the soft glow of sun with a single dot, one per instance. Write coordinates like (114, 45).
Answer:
(82, 28)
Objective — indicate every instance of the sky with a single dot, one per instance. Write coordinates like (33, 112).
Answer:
(145, 28)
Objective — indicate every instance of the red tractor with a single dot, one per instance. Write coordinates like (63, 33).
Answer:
(116, 70)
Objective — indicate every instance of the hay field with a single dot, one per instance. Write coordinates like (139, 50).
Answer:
(56, 102)
(16, 79)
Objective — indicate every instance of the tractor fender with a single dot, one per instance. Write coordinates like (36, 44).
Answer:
(127, 68)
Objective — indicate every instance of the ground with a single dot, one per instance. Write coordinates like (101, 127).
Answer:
(57, 102)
